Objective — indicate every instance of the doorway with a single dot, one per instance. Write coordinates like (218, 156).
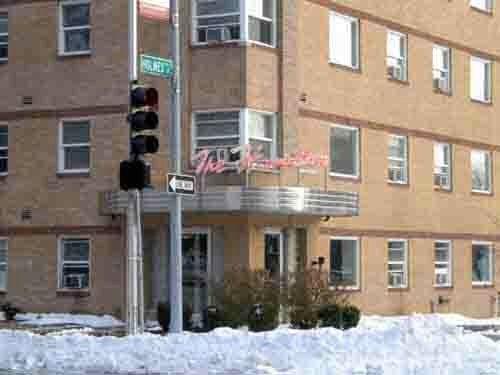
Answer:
(273, 253)
(196, 255)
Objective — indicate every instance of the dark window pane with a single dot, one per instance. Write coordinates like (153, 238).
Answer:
(343, 150)
(272, 254)
(4, 135)
(75, 276)
(76, 250)
(4, 25)
(343, 262)
(77, 157)
(217, 7)
(481, 258)
(77, 40)
(76, 132)
(4, 51)
(76, 15)
(4, 165)
(260, 31)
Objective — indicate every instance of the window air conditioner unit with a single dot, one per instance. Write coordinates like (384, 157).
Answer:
(220, 34)
(440, 84)
(74, 281)
(395, 72)
(441, 279)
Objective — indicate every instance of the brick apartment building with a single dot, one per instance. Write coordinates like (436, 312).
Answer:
(400, 99)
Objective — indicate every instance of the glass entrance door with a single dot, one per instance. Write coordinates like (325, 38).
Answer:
(195, 273)
(273, 253)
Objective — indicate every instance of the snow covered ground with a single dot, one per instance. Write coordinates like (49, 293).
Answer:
(413, 345)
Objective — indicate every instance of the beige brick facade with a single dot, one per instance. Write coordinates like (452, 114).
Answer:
(309, 94)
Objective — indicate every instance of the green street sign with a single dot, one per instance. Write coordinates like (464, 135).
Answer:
(157, 66)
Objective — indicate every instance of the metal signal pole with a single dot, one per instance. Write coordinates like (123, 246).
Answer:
(134, 285)
(175, 283)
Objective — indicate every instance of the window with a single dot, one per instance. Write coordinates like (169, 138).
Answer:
(261, 131)
(481, 171)
(398, 159)
(344, 151)
(221, 131)
(480, 79)
(344, 40)
(397, 264)
(344, 262)
(74, 146)
(486, 5)
(74, 27)
(442, 263)
(441, 69)
(482, 263)
(3, 264)
(4, 37)
(74, 263)
(261, 17)
(4, 150)
(442, 165)
(397, 56)
(223, 20)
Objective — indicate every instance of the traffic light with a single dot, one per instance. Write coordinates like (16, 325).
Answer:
(135, 172)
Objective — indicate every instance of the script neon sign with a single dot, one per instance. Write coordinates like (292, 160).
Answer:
(251, 157)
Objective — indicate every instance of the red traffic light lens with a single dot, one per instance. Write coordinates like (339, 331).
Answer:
(152, 97)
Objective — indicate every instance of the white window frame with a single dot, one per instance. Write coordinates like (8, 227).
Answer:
(404, 263)
(244, 133)
(6, 263)
(61, 147)
(488, 63)
(491, 264)
(5, 148)
(62, 29)
(61, 262)
(448, 264)
(447, 147)
(243, 23)
(397, 159)
(442, 70)
(357, 285)
(5, 59)
(357, 152)
(354, 44)
(488, 6)
(490, 169)
(403, 58)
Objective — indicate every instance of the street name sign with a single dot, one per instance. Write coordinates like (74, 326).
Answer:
(181, 184)
(157, 66)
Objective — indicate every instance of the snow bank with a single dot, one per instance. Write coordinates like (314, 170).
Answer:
(414, 345)
(92, 321)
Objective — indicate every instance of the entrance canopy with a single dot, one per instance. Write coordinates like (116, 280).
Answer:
(265, 200)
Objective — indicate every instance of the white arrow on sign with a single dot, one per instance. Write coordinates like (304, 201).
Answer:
(176, 184)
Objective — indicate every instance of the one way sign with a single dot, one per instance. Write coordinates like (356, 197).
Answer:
(181, 184)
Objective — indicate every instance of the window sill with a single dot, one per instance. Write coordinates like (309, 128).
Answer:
(443, 286)
(345, 177)
(399, 81)
(345, 288)
(348, 68)
(398, 289)
(73, 292)
(228, 43)
(3, 175)
(398, 184)
(481, 192)
(69, 174)
(4, 61)
(442, 92)
(442, 189)
(488, 103)
(3, 291)
(482, 285)
(265, 170)
(486, 12)
(65, 55)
